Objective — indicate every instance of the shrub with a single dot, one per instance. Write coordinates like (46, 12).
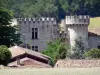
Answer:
(56, 50)
(62, 51)
(5, 55)
(93, 53)
(78, 49)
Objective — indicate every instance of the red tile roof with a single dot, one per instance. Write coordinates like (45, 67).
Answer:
(94, 31)
(28, 62)
(28, 58)
(16, 51)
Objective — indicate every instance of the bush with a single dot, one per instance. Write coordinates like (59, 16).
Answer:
(62, 51)
(56, 50)
(93, 53)
(5, 55)
(78, 50)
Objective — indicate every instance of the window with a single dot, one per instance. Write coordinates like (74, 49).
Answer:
(35, 48)
(34, 33)
(55, 30)
(98, 47)
(18, 61)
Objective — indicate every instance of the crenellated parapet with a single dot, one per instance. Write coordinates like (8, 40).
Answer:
(38, 20)
(77, 20)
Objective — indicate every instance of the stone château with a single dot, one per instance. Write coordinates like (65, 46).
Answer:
(36, 32)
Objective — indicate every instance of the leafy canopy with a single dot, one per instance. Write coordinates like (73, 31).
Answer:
(5, 55)
(8, 35)
(56, 50)
(93, 53)
(52, 8)
(78, 50)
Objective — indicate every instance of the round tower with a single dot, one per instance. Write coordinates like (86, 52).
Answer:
(77, 27)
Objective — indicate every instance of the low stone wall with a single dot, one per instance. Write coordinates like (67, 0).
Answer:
(77, 63)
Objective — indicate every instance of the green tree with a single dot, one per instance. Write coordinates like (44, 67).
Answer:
(52, 8)
(5, 55)
(56, 50)
(36, 8)
(4, 3)
(78, 50)
(8, 35)
(93, 53)
(62, 51)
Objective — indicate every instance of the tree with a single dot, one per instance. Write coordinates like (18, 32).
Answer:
(3, 3)
(62, 51)
(8, 33)
(5, 55)
(56, 50)
(93, 53)
(78, 50)
(52, 8)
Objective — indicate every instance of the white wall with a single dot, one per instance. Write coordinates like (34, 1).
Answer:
(77, 27)
(78, 31)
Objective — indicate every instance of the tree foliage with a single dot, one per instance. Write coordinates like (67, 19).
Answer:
(52, 8)
(93, 53)
(4, 3)
(8, 35)
(5, 55)
(78, 49)
(56, 50)
(62, 51)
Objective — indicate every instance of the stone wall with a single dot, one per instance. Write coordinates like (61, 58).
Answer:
(47, 31)
(77, 63)
(77, 27)
(81, 19)
(94, 41)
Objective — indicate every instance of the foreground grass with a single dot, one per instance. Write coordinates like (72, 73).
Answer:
(94, 22)
(51, 71)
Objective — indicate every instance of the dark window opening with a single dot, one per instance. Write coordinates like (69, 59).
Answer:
(32, 47)
(34, 33)
(35, 48)
(98, 47)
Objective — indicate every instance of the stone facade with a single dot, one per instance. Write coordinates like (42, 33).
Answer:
(94, 41)
(38, 31)
(77, 27)
(44, 30)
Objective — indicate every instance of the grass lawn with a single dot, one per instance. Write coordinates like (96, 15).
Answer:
(94, 22)
(51, 71)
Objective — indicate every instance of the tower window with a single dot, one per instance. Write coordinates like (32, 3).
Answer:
(35, 48)
(34, 33)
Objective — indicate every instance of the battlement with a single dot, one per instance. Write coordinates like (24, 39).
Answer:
(81, 19)
(36, 19)
(42, 20)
